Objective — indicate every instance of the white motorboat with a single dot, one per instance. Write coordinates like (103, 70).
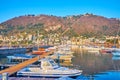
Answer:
(48, 69)
(115, 57)
(116, 52)
(18, 58)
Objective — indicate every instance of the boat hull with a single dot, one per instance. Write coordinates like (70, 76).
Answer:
(48, 75)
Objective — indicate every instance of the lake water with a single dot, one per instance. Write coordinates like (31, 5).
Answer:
(95, 66)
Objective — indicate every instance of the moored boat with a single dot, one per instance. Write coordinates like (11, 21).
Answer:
(18, 58)
(116, 52)
(38, 52)
(48, 69)
(105, 51)
(12, 50)
(42, 50)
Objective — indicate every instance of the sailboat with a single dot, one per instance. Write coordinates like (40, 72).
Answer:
(116, 51)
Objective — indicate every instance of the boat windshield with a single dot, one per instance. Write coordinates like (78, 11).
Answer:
(53, 63)
(46, 64)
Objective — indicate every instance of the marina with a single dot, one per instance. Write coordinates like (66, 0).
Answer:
(91, 65)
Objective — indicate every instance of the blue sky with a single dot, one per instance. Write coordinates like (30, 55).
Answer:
(14, 8)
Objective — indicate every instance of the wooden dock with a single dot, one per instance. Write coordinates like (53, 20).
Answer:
(13, 69)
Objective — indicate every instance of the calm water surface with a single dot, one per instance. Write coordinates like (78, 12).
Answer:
(97, 66)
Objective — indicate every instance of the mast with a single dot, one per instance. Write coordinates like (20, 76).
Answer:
(117, 34)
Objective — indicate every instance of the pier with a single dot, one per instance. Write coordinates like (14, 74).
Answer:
(14, 69)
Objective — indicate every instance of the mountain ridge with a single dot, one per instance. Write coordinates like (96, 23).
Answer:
(87, 24)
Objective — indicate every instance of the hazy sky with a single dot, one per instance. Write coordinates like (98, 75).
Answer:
(13, 8)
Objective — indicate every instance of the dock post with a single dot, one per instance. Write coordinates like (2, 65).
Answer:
(4, 76)
(58, 59)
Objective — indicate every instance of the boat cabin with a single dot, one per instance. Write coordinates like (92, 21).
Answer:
(48, 63)
(18, 58)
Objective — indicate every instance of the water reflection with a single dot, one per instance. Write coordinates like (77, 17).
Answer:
(93, 63)
(116, 58)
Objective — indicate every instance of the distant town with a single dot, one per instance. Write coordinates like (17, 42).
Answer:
(27, 40)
